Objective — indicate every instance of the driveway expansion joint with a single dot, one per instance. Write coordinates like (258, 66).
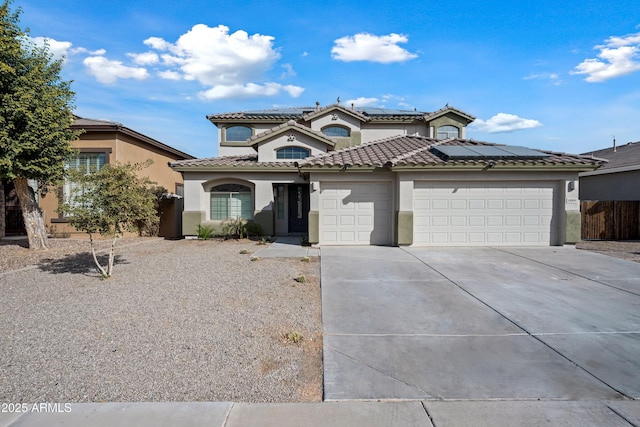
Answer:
(532, 335)
(356, 360)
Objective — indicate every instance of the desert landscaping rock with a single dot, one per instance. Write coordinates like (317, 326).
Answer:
(180, 321)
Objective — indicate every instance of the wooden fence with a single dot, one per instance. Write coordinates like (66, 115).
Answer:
(611, 220)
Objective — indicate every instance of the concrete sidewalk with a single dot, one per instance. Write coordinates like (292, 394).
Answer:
(335, 414)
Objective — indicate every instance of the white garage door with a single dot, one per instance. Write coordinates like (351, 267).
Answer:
(355, 213)
(483, 213)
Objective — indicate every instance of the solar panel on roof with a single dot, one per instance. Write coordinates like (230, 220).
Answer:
(523, 151)
(487, 152)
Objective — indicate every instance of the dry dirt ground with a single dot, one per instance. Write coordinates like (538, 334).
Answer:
(629, 250)
(180, 320)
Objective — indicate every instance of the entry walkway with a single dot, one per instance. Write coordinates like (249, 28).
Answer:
(287, 247)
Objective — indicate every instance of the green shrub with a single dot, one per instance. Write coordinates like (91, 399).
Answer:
(239, 229)
(205, 232)
(293, 337)
(301, 279)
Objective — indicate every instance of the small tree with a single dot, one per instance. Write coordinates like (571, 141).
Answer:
(110, 201)
(35, 119)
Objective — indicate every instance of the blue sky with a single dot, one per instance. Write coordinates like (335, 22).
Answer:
(558, 75)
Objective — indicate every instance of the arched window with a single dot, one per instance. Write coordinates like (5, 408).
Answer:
(238, 133)
(335, 131)
(292, 153)
(231, 201)
(446, 132)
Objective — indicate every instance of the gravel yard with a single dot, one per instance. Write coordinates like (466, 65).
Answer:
(182, 320)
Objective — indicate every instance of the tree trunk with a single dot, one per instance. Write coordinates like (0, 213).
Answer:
(33, 221)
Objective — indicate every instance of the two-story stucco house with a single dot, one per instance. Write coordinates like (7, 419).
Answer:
(345, 175)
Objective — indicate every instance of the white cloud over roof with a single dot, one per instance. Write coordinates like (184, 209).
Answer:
(109, 71)
(503, 122)
(249, 90)
(619, 56)
(369, 47)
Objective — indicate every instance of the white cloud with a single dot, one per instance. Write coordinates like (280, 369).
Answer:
(212, 56)
(146, 58)
(157, 43)
(362, 102)
(230, 64)
(169, 75)
(249, 90)
(108, 71)
(288, 71)
(503, 122)
(619, 56)
(369, 47)
(58, 49)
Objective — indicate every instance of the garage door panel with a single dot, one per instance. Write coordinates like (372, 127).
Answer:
(361, 213)
(483, 213)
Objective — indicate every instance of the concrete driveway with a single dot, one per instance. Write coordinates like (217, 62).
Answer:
(479, 323)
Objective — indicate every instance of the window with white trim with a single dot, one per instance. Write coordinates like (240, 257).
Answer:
(231, 201)
(85, 163)
(448, 131)
(292, 153)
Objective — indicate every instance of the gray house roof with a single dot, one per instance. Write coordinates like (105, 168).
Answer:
(623, 155)
(394, 152)
(418, 151)
(305, 113)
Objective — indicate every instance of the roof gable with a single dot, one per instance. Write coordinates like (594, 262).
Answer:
(468, 118)
(320, 112)
(288, 127)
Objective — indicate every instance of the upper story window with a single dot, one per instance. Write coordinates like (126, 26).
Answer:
(292, 153)
(238, 133)
(446, 132)
(336, 131)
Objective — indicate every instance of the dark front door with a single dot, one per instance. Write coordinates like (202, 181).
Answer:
(298, 208)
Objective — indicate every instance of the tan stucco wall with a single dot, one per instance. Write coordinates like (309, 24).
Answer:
(404, 223)
(122, 148)
(314, 227)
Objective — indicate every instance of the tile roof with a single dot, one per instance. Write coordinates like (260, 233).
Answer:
(624, 155)
(239, 162)
(416, 151)
(109, 126)
(295, 125)
(297, 113)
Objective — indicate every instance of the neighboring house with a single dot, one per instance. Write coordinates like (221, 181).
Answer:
(610, 195)
(354, 176)
(105, 142)
(618, 179)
